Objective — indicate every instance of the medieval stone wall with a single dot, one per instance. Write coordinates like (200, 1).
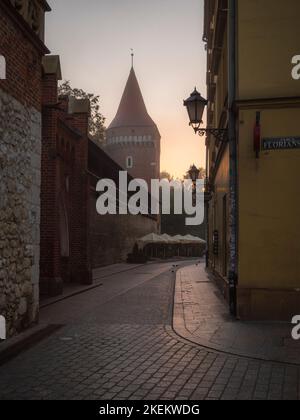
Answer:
(113, 237)
(20, 156)
(20, 164)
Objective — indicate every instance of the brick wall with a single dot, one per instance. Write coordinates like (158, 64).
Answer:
(80, 256)
(74, 238)
(23, 52)
(20, 161)
(64, 239)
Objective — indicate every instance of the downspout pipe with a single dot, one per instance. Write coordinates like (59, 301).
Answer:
(233, 175)
(206, 216)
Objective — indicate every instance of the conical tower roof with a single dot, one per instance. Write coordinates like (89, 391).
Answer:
(132, 110)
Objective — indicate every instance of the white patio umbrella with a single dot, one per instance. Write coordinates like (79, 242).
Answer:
(151, 238)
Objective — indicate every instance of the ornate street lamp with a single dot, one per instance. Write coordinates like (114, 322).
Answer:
(195, 105)
(194, 173)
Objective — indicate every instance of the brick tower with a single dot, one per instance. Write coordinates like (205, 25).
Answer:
(133, 139)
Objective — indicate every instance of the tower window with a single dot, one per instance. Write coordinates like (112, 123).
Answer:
(129, 162)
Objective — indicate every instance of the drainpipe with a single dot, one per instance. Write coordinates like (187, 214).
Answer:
(206, 215)
(233, 177)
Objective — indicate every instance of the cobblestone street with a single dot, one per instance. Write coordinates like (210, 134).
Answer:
(122, 346)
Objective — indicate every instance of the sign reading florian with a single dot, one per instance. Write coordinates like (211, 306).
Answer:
(281, 143)
(134, 198)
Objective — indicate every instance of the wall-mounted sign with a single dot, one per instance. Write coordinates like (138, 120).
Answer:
(281, 143)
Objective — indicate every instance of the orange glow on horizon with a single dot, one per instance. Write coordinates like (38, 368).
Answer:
(169, 61)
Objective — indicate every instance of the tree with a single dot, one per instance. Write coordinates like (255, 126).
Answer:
(166, 175)
(97, 120)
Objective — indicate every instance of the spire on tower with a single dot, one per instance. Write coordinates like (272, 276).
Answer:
(132, 57)
(132, 111)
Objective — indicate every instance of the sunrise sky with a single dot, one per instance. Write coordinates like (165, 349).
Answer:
(94, 38)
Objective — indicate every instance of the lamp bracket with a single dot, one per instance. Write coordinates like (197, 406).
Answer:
(220, 134)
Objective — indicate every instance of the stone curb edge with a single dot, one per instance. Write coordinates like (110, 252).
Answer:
(14, 346)
(179, 328)
(61, 298)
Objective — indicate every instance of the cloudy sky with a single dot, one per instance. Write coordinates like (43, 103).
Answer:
(94, 39)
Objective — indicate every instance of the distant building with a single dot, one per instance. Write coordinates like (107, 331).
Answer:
(133, 139)
(254, 203)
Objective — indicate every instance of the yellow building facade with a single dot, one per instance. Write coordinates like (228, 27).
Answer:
(254, 192)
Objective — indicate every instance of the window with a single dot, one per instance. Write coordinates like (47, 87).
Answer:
(129, 162)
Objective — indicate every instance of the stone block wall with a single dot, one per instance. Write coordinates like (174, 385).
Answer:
(20, 157)
(20, 164)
